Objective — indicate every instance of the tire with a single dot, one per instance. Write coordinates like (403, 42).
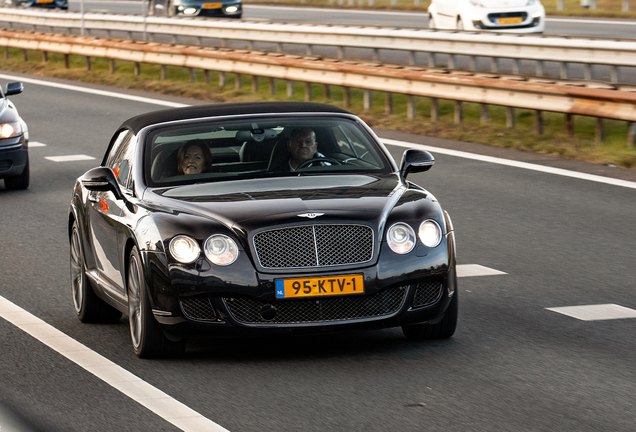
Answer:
(148, 339)
(460, 24)
(19, 182)
(88, 307)
(441, 330)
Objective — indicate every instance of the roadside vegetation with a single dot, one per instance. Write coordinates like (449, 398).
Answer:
(604, 8)
(554, 141)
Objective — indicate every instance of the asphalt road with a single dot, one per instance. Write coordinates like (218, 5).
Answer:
(512, 364)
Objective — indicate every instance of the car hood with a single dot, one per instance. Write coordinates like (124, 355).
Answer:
(250, 204)
(503, 4)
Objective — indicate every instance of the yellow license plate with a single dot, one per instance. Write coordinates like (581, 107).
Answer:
(322, 286)
(517, 20)
(212, 5)
(44, 1)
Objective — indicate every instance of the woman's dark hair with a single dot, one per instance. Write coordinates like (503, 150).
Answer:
(207, 156)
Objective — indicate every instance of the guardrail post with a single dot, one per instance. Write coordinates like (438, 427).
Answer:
(206, 75)
(631, 134)
(239, 81)
(250, 45)
(434, 109)
(451, 61)
(600, 130)
(367, 100)
(511, 119)
(327, 91)
(346, 96)
(472, 63)
(560, 5)
(614, 74)
(88, 63)
(569, 125)
(563, 70)
(112, 66)
(310, 50)
(388, 103)
(66, 65)
(538, 122)
(539, 69)
(587, 72)
(411, 57)
(376, 54)
(459, 112)
(485, 114)
(494, 65)
(410, 107)
(308, 92)
(6, 52)
(164, 72)
(515, 66)
(193, 75)
(254, 84)
(272, 86)
(45, 56)
(26, 55)
(137, 68)
(593, 4)
(222, 79)
(279, 47)
(290, 88)
(431, 59)
(340, 52)
(625, 5)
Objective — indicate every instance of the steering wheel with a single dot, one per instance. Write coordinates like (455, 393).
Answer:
(318, 159)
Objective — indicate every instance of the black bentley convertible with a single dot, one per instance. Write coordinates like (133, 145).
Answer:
(199, 222)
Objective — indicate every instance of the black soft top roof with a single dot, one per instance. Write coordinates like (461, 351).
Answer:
(198, 111)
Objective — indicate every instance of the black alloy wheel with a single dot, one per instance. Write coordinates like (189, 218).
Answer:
(148, 339)
(89, 307)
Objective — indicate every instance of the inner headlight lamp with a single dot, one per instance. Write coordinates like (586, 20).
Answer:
(184, 249)
(221, 250)
(430, 233)
(401, 238)
(8, 130)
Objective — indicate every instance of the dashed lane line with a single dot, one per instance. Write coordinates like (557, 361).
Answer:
(596, 312)
(469, 270)
(69, 158)
(36, 144)
(152, 398)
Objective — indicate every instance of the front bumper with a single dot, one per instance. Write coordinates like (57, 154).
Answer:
(225, 10)
(13, 156)
(519, 20)
(191, 303)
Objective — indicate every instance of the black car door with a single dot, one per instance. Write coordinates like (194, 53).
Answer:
(105, 223)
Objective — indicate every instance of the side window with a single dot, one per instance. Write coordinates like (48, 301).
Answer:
(120, 157)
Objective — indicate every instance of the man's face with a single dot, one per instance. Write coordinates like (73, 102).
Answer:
(302, 146)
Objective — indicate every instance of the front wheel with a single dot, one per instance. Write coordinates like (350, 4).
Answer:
(19, 182)
(148, 338)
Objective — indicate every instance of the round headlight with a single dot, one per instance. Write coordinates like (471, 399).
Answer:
(9, 130)
(184, 249)
(401, 238)
(221, 250)
(430, 233)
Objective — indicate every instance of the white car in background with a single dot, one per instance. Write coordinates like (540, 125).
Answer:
(514, 16)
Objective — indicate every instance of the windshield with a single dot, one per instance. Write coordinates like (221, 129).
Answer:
(260, 147)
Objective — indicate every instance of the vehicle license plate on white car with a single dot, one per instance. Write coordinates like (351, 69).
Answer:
(505, 21)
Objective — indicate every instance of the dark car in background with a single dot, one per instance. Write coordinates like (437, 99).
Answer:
(221, 8)
(14, 141)
(46, 4)
(248, 245)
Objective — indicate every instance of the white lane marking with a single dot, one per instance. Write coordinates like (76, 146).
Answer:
(516, 164)
(500, 161)
(117, 377)
(470, 270)
(93, 91)
(69, 158)
(596, 312)
(591, 21)
(36, 144)
(335, 11)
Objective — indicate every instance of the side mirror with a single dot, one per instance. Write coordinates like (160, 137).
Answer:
(14, 88)
(101, 179)
(415, 161)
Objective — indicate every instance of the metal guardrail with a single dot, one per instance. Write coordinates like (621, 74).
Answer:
(513, 91)
(610, 52)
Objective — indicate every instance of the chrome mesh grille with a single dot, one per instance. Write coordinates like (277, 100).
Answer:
(384, 303)
(427, 293)
(198, 309)
(314, 246)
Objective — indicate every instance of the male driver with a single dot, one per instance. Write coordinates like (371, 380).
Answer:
(302, 146)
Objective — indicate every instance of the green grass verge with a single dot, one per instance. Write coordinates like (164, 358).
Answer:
(553, 141)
